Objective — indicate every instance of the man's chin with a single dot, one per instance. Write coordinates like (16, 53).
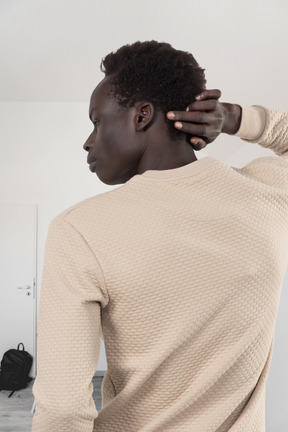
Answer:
(111, 179)
(108, 180)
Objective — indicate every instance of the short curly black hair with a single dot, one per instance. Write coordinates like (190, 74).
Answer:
(155, 72)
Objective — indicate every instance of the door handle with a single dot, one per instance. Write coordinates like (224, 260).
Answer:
(24, 287)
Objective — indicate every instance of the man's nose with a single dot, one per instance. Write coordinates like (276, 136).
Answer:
(88, 143)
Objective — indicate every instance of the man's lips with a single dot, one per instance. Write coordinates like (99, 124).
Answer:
(92, 164)
(90, 160)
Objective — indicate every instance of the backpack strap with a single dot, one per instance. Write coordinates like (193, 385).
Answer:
(22, 346)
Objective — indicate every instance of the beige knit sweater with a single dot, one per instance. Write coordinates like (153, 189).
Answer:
(183, 270)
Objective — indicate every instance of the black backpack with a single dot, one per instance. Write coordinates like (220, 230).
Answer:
(15, 368)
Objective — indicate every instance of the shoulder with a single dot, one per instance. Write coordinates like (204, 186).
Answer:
(96, 209)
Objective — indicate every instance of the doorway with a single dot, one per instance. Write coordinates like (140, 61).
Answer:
(18, 290)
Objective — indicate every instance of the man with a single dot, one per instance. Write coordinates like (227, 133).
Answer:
(179, 270)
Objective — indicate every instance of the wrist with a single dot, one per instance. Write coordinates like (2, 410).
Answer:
(232, 118)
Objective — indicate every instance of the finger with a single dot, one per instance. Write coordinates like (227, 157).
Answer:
(197, 143)
(203, 105)
(190, 116)
(209, 105)
(198, 130)
(209, 94)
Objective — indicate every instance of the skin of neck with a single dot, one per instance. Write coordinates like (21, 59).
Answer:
(160, 150)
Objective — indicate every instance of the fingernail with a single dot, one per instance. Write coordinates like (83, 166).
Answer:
(198, 97)
(187, 109)
(178, 124)
(170, 115)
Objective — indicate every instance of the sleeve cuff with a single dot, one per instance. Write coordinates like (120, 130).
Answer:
(253, 123)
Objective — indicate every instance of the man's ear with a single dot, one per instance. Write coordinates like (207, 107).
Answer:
(144, 113)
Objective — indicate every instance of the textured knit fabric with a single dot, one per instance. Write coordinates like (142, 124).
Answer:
(182, 270)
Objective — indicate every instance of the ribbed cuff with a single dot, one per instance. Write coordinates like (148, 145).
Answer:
(252, 123)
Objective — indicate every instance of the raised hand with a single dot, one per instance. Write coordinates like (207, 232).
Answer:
(206, 118)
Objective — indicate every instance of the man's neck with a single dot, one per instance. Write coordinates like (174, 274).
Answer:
(166, 155)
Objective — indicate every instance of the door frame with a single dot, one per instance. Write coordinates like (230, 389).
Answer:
(35, 293)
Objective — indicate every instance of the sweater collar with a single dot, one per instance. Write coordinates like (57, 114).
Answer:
(190, 169)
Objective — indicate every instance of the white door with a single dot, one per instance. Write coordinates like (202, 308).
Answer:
(18, 301)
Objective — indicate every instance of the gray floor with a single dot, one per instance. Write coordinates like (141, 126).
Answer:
(15, 412)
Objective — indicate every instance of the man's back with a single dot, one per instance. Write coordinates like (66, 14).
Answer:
(183, 270)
